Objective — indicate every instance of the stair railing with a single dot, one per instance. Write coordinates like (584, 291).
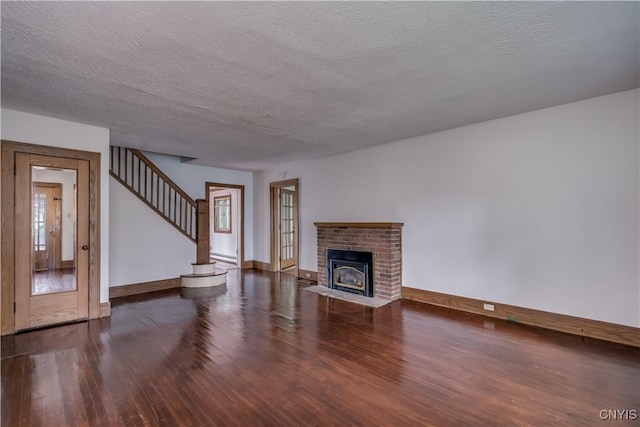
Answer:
(155, 189)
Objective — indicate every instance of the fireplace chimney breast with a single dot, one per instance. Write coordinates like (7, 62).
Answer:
(382, 239)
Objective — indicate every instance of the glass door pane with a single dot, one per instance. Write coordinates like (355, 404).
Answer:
(53, 236)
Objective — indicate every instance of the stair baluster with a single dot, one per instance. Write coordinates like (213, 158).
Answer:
(136, 172)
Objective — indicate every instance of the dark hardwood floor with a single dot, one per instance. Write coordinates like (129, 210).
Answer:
(267, 353)
(54, 280)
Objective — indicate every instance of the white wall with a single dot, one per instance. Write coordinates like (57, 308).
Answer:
(226, 243)
(144, 246)
(539, 210)
(192, 179)
(67, 179)
(41, 130)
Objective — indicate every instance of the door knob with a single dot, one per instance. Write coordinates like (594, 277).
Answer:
(85, 247)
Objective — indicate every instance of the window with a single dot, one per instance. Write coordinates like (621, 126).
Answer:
(39, 221)
(222, 214)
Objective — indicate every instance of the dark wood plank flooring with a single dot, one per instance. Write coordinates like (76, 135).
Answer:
(267, 353)
(54, 280)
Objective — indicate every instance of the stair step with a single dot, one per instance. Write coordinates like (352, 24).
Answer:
(203, 280)
(205, 292)
(203, 274)
(219, 273)
(205, 268)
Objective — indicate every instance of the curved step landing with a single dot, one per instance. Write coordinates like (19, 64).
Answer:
(203, 280)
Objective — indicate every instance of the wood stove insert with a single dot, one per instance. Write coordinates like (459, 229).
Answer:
(350, 271)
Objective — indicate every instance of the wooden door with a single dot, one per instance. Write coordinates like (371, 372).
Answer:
(34, 308)
(287, 228)
(46, 225)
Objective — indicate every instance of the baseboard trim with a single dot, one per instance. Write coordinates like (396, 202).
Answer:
(67, 264)
(313, 275)
(265, 266)
(105, 309)
(620, 334)
(259, 265)
(144, 287)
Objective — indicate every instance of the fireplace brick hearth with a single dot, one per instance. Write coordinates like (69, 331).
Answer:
(383, 239)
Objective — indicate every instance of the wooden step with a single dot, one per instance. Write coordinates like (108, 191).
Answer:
(203, 280)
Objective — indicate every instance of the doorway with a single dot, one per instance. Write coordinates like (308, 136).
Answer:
(47, 219)
(285, 196)
(226, 224)
(50, 242)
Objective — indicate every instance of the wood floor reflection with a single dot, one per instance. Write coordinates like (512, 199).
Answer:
(54, 280)
(267, 353)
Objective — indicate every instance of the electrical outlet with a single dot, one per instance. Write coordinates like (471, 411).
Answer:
(307, 275)
(488, 307)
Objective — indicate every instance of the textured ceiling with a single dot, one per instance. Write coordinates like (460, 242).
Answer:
(247, 85)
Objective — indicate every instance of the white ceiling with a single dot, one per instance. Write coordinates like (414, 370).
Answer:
(247, 85)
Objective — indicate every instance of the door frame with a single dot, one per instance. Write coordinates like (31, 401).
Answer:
(7, 196)
(274, 216)
(207, 191)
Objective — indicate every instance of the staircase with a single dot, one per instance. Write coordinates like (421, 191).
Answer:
(139, 175)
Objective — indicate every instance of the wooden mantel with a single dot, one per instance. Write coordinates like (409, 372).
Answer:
(359, 224)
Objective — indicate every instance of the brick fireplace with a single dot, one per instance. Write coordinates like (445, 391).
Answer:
(382, 239)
